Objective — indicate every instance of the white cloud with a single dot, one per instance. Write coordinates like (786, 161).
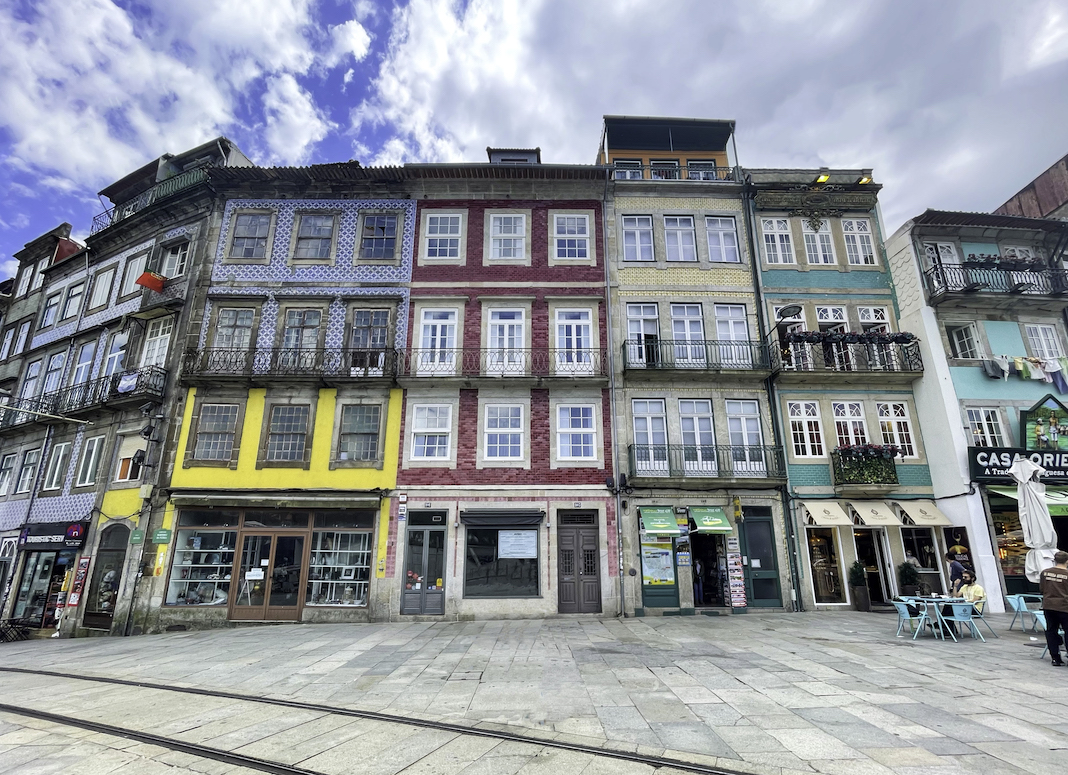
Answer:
(294, 123)
(348, 40)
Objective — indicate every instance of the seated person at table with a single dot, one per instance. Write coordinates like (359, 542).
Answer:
(972, 592)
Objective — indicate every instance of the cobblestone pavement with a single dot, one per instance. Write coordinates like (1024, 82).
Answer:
(759, 693)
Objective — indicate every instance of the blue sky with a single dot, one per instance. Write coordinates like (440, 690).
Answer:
(955, 104)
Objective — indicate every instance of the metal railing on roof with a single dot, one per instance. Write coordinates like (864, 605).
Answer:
(695, 171)
(161, 190)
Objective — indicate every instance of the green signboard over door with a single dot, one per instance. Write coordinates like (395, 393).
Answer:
(137, 537)
(710, 520)
(161, 536)
(660, 520)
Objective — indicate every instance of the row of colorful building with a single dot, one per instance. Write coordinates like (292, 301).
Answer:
(662, 383)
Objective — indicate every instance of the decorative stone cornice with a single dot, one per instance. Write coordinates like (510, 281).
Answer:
(816, 205)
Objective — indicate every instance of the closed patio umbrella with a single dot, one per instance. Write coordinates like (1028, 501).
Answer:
(1039, 536)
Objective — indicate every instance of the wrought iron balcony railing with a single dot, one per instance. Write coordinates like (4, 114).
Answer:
(693, 171)
(849, 468)
(698, 355)
(706, 462)
(290, 362)
(133, 385)
(566, 362)
(953, 278)
(161, 190)
(849, 356)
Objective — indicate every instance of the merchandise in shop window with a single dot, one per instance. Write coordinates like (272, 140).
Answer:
(203, 564)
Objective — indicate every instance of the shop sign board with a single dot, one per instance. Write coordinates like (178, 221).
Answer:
(992, 464)
(79, 582)
(517, 544)
(657, 566)
(957, 543)
(161, 536)
(137, 537)
(1045, 425)
(54, 535)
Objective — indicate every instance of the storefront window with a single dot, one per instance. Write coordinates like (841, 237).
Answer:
(107, 574)
(501, 563)
(920, 543)
(1011, 548)
(276, 519)
(823, 558)
(340, 568)
(41, 587)
(203, 558)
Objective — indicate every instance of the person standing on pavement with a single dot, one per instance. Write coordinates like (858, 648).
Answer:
(956, 572)
(1053, 584)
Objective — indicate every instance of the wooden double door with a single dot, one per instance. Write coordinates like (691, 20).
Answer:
(578, 564)
(271, 577)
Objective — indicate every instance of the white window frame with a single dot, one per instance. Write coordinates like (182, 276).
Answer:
(38, 273)
(723, 247)
(443, 240)
(572, 430)
(175, 260)
(874, 318)
(832, 315)
(971, 341)
(699, 457)
(101, 292)
(819, 245)
(568, 241)
(650, 413)
(28, 471)
(680, 238)
(421, 428)
(638, 238)
(1043, 340)
(53, 373)
(778, 241)
(941, 253)
(437, 352)
(806, 430)
(575, 354)
(87, 469)
(984, 422)
(20, 340)
(859, 241)
(639, 348)
(5, 348)
(895, 427)
(506, 340)
(25, 277)
(850, 425)
(513, 241)
(135, 267)
(58, 462)
(7, 472)
(50, 309)
(157, 341)
(510, 430)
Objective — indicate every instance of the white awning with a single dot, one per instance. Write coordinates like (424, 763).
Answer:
(924, 513)
(875, 513)
(827, 513)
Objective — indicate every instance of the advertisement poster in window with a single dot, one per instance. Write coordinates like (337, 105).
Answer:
(957, 543)
(657, 567)
(736, 580)
(79, 582)
(1045, 425)
(517, 544)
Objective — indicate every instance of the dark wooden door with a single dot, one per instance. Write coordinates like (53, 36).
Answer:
(424, 572)
(762, 572)
(579, 569)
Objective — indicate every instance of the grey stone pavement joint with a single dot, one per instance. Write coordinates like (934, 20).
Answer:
(831, 692)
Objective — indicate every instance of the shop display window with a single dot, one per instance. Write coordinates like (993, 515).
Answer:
(340, 569)
(298, 519)
(40, 591)
(826, 567)
(1012, 551)
(920, 543)
(501, 563)
(203, 558)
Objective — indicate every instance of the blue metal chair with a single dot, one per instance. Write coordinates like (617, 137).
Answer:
(921, 617)
(977, 612)
(1018, 603)
(962, 612)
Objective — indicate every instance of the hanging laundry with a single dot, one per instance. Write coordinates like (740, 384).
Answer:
(993, 370)
(1003, 362)
(1037, 372)
(1060, 382)
(1022, 367)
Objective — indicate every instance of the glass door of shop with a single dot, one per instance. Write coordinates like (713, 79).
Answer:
(103, 593)
(424, 571)
(872, 554)
(270, 578)
(762, 572)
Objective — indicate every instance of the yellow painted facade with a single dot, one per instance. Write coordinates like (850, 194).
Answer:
(317, 476)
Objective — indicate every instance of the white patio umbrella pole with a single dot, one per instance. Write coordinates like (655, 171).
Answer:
(1039, 536)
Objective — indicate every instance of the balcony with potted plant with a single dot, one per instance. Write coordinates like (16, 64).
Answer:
(851, 356)
(864, 469)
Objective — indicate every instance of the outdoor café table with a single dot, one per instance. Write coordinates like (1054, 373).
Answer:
(939, 605)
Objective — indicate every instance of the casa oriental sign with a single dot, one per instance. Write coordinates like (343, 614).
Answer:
(992, 464)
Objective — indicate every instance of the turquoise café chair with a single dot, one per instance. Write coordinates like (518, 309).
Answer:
(963, 613)
(916, 620)
(1018, 603)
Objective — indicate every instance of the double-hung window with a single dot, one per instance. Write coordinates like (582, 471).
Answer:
(135, 267)
(157, 342)
(233, 329)
(679, 238)
(54, 372)
(805, 430)
(57, 466)
(819, 248)
(778, 244)
(572, 236)
(504, 432)
(287, 433)
(443, 236)
(895, 426)
(985, 425)
(575, 433)
(358, 435)
(30, 459)
(175, 259)
(722, 240)
(7, 470)
(637, 238)
(90, 461)
(51, 309)
(215, 432)
(508, 236)
(849, 426)
(250, 236)
(432, 431)
(379, 238)
(963, 343)
(102, 288)
(20, 340)
(859, 247)
(314, 238)
(1044, 341)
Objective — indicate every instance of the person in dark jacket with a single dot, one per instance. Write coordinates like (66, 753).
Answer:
(1053, 584)
(956, 572)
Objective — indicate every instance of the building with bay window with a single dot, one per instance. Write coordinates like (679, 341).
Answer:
(987, 295)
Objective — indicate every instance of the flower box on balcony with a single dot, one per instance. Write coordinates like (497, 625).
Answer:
(864, 468)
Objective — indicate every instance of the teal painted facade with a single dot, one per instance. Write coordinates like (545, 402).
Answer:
(809, 475)
(913, 476)
(823, 279)
(1005, 337)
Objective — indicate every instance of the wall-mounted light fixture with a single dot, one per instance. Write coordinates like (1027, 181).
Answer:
(865, 178)
(824, 176)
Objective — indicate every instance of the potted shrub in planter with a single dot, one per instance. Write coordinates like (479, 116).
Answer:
(909, 578)
(858, 586)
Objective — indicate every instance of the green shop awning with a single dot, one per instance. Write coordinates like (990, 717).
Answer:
(710, 520)
(660, 520)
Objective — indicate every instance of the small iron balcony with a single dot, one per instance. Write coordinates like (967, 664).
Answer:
(161, 190)
(336, 362)
(957, 279)
(695, 354)
(681, 461)
(849, 356)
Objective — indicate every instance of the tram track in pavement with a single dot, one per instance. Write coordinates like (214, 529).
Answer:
(265, 765)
